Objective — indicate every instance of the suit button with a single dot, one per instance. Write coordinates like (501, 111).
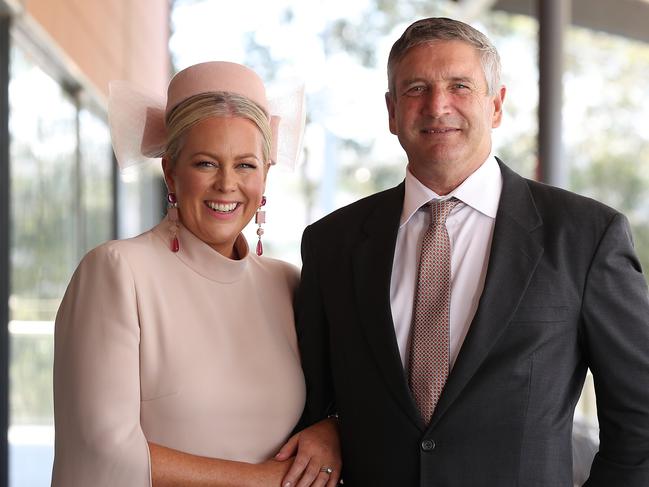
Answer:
(428, 445)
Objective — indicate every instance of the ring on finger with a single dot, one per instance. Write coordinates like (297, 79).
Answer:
(327, 470)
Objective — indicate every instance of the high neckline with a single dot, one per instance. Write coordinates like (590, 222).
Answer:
(202, 258)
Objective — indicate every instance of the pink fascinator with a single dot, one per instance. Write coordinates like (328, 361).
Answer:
(137, 119)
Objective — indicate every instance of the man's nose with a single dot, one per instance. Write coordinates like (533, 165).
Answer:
(437, 102)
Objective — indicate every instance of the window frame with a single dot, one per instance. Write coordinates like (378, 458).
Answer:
(5, 187)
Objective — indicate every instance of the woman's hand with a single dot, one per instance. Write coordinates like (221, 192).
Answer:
(270, 472)
(318, 448)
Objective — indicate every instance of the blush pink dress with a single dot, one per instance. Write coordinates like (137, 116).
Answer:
(189, 350)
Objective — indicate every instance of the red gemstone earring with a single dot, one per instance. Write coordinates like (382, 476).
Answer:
(172, 213)
(260, 219)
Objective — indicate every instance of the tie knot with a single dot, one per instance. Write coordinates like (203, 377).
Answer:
(439, 209)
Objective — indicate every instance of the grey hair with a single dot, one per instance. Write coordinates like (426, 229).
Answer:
(444, 29)
(197, 108)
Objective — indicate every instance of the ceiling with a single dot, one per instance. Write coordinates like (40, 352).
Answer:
(627, 18)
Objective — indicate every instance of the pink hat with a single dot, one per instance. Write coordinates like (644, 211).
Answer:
(137, 120)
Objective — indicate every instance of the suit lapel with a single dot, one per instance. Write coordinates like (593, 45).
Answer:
(515, 253)
(372, 264)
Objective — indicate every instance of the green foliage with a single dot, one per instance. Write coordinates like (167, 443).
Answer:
(607, 149)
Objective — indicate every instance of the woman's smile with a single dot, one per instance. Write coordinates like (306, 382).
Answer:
(224, 208)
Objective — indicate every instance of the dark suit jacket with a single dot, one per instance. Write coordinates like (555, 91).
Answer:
(564, 292)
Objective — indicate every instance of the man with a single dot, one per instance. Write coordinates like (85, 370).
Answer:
(452, 338)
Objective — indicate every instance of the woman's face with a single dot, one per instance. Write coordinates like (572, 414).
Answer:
(219, 179)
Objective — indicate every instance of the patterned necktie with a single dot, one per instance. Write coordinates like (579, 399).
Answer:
(430, 340)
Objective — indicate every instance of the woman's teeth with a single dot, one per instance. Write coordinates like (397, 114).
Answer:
(222, 207)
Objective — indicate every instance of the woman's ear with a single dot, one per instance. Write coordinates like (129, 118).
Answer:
(167, 169)
(266, 169)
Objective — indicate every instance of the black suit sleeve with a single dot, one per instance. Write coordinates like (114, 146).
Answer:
(616, 337)
(313, 339)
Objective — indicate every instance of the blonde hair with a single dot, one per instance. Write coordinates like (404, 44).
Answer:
(197, 108)
(443, 29)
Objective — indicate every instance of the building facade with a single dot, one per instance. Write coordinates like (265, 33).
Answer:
(61, 193)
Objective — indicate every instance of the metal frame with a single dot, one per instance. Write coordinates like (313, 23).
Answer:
(5, 240)
(116, 195)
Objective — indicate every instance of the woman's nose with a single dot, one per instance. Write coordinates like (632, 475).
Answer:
(226, 180)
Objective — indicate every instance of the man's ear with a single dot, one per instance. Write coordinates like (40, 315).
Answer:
(498, 100)
(169, 174)
(389, 102)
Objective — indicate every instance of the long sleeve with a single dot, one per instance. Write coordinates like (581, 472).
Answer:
(616, 335)
(99, 440)
(312, 330)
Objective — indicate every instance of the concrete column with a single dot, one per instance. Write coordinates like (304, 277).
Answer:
(554, 17)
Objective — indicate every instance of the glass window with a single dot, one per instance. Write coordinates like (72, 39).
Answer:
(61, 205)
(142, 203)
(43, 253)
(96, 179)
(42, 126)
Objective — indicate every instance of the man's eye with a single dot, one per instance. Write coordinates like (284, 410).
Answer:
(415, 90)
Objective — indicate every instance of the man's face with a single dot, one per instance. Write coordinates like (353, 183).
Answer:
(441, 112)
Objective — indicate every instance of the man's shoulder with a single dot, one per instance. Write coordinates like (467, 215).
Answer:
(555, 201)
(562, 201)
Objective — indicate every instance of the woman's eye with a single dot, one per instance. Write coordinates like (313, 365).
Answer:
(247, 165)
(205, 164)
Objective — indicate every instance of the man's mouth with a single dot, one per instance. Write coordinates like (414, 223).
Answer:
(440, 130)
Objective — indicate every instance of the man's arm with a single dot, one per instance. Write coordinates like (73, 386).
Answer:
(313, 339)
(616, 337)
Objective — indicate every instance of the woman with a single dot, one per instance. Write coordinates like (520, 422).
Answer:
(175, 352)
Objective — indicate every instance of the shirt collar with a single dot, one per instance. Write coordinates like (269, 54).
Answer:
(481, 191)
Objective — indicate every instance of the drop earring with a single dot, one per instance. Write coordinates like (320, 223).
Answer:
(172, 213)
(260, 219)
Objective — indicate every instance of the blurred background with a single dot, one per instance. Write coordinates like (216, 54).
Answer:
(576, 115)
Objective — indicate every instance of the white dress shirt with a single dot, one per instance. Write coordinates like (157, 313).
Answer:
(470, 229)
